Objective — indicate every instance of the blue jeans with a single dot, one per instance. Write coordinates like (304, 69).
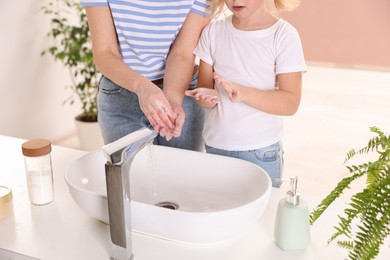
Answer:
(120, 114)
(269, 158)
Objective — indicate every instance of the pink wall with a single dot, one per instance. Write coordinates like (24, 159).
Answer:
(344, 32)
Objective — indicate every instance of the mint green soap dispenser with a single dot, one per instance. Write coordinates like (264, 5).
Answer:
(292, 221)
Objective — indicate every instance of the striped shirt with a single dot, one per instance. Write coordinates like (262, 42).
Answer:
(146, 29)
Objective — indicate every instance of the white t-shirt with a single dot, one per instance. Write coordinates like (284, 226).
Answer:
(253, 59)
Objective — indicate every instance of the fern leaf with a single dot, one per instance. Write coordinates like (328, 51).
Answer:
(337, 191)
(346, 244)
(367, 218)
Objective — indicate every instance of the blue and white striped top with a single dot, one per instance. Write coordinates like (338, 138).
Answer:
(146, 29)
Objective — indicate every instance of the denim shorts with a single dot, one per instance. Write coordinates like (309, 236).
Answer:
(120, 114)
(269, 158)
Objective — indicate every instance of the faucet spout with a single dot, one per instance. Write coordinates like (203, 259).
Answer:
(120, 155)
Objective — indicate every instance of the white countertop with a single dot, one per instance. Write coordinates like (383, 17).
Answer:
(61, 230)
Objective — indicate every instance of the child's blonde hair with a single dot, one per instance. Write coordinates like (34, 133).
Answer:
(217, 6)
(286, 5)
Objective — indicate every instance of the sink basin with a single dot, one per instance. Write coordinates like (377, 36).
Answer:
(178, 195)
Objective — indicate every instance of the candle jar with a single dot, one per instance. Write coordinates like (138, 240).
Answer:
(6, 206)
(39, 173)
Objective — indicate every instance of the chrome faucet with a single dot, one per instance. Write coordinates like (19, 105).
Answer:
(120, 155)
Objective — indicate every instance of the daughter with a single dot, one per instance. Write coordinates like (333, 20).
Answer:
(250, 75)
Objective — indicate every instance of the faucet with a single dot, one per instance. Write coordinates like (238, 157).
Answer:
(119, 155)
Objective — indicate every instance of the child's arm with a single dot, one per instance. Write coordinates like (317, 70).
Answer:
(284, 100)
(205, 94)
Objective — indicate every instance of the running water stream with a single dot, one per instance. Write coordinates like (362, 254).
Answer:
(151, 158)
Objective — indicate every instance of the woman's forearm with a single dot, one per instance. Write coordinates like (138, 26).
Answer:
(106, 52)
(181, 60)
(116, 70)
(178, 74)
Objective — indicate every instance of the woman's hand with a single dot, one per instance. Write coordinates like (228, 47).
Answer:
(178, 123)
(157, 109)
(179, 119)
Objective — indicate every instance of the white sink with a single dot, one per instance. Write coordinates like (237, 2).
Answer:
(214, 198)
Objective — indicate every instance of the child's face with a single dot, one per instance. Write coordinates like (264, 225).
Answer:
(245, 8)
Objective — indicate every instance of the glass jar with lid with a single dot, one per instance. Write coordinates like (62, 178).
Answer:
(39, 173)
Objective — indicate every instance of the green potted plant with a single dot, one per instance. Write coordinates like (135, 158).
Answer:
(366, 223)
(71, 45)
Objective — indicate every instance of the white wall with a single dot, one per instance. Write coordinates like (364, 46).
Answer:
(32, 88)
(346, 33)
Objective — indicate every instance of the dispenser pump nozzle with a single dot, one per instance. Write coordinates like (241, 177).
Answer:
(292, 195)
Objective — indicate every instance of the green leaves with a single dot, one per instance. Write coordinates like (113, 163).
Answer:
(367, 219)
(72, 47)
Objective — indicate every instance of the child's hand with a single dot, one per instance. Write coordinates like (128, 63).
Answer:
(204, 94)
(232, 89)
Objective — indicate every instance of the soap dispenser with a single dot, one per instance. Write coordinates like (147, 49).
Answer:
(292, 221)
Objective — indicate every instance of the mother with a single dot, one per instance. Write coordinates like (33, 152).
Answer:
(144, 49)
